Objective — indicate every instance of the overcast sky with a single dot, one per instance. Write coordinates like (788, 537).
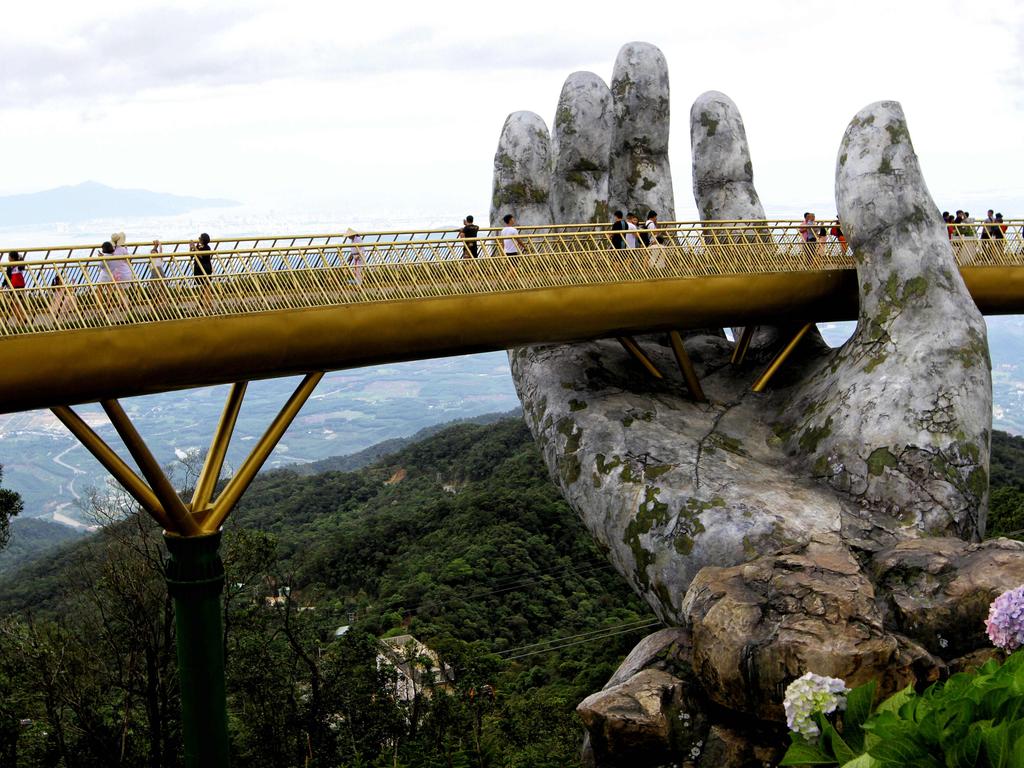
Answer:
(375, 107)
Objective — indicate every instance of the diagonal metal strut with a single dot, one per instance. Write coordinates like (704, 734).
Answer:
(260, 453)
(171, 502)
(114, 464)
(214, 463)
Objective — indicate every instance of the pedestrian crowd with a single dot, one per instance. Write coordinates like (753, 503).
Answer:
(972, 239)
(114, 270)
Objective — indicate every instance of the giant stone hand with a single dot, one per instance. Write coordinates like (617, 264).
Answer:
(787, 531)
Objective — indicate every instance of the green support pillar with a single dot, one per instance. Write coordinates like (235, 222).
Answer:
(195, 580)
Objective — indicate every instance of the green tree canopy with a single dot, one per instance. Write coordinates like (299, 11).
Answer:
(10, 506)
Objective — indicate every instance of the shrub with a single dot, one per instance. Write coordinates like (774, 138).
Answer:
(972, 719)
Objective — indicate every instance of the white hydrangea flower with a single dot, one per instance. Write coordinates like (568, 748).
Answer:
(809, 694)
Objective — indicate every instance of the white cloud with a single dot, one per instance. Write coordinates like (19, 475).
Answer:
(399, 105)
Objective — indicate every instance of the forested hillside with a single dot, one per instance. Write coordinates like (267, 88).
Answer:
(31, 537)
(460, 540)
(1006, 498)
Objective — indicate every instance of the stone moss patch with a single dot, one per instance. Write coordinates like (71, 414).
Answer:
(811, 436)
(879, 459)
(688, 525)
(709, 123)
(650, 513)
(724, 442)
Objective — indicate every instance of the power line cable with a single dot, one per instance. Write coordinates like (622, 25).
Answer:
(646, 621)
(580, 642)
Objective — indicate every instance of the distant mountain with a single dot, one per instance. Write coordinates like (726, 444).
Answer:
(92, 200)
(32, 537)
(351, 462)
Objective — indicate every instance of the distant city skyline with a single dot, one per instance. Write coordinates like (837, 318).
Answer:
(369, 112)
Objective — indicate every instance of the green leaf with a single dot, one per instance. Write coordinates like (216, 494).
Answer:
(1016, 756)
(863, 761)
(802, 753)
(996, 741)
(901, 751)
(858, 709)
(954, 722)
(897, 700)
(964, 753)
(834, 742)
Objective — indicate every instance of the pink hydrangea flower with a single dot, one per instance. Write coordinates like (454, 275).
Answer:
(1005, 625)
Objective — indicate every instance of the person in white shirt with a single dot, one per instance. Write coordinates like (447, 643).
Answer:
(354, 254)
(631, 225)
(510, 243)
(157, 261)
(652, 223)
(120, 269)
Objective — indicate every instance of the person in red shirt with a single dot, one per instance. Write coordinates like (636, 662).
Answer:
(949, 224)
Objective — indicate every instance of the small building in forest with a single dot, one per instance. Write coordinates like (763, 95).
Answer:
(418, 669)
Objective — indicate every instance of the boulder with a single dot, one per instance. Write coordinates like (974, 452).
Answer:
(759, 626)
(636, 722)
(938, 590)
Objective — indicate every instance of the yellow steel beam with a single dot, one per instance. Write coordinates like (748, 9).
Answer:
(630, 345)
(260, 453)
(686, 366)
(174, 508)
(739, 350)
(113, 463)
(764, 378)
(218, 448)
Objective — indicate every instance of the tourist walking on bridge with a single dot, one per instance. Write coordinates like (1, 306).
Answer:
(16, 281)
(64, 302)
(632, 227)
(651, 225)
(509, 242)
(468, 233)
(120, 269)
(653, 240)
(111, 272)
(837, 233)
(807, 236)
(157, 266)
(354, 255)
(202, 267)
(619, 225)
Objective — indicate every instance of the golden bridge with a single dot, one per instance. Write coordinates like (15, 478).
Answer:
(290, 305)
(314, 303)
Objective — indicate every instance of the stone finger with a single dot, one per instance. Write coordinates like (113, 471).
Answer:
(581, 146)
(522, 171)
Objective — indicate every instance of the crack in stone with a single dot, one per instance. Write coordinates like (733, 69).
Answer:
(700, 443)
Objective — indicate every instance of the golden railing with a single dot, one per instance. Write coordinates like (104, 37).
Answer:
(257, 242)
(77, 289)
